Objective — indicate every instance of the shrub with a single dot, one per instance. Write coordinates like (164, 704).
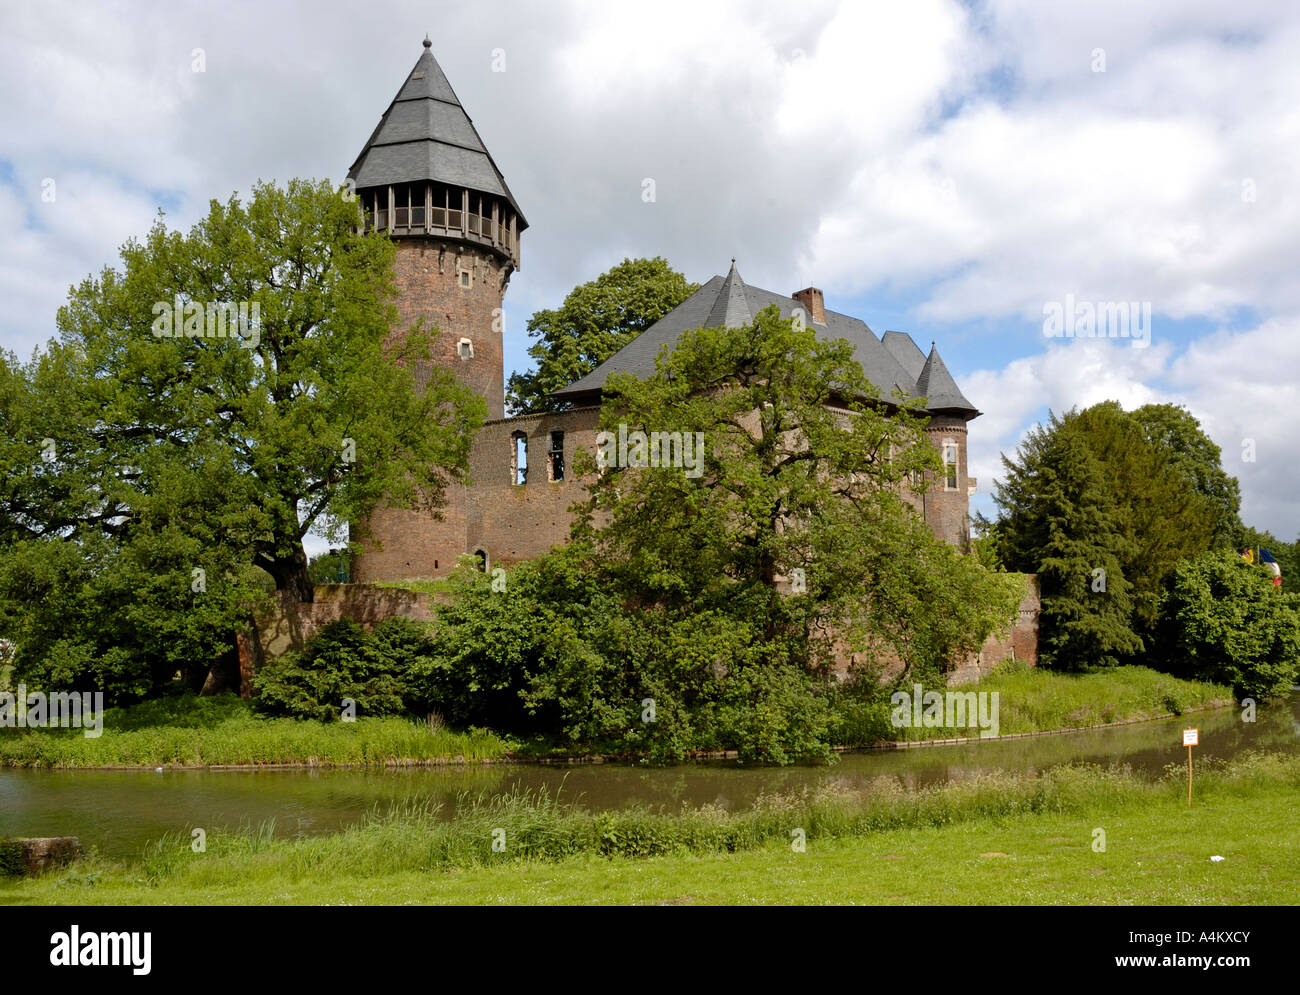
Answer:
(11, 858)
(1222, 620)
(375, 669)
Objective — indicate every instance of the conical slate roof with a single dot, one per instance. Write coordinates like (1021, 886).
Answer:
(730, 302)
(426, 135)
(939, 388)
(730, 309)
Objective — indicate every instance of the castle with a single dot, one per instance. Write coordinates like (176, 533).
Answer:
(426, 178)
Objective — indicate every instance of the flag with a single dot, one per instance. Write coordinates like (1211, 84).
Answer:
(1248, 555)
(1266, 558)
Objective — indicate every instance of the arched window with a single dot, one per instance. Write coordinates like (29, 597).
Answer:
(481, 555)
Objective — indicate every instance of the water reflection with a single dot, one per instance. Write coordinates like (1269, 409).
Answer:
(121, 811)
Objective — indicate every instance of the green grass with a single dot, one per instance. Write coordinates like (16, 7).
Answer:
(1033, 699)
(193, 731)
(1038, 700)
(988, 840)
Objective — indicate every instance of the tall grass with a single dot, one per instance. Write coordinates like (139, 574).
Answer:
(214, 731)
(1032, 699)
(537, 827)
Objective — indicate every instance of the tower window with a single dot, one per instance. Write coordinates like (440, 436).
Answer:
(465, 348)
(518, 458)
(466, 278)
(949, 465)
(556, 461)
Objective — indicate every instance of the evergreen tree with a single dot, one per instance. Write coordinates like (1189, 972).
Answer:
(1164, 519)
(1059, 519)
(1198, 460)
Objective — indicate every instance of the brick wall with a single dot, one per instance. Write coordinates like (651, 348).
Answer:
(289, 624)
(427, 272)
(948, 511)
(1019, 642)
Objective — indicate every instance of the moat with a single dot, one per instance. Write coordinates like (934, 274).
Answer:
(120, 812)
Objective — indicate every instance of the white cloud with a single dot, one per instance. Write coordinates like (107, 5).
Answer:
(964, 159)
(1240, 385)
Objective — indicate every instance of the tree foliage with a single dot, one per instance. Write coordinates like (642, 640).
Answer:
(132, 458)
(1104, 505)
(596, 320)
(343, 662)
(1174, 431)
(1224, 621)
(719, 589)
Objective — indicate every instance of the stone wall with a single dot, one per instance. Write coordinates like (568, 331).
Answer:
(290, 623)
(1019, 643)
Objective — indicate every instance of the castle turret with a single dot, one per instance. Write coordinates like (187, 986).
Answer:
(426, 178)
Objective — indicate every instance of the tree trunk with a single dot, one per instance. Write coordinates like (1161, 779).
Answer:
(290, 574)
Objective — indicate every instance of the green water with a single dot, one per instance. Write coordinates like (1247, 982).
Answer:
(120, 812)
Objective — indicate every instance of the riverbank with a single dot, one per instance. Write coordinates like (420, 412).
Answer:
(990, 840)
(225, 732)
(1032, 700)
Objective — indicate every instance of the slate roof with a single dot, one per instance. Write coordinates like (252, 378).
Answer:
(426, 135)
(895, 364)
(907, 352)
(937, 384)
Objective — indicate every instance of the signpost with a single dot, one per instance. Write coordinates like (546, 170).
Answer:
(1189, 740)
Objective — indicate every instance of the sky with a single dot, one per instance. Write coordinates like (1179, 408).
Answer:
(958, 171)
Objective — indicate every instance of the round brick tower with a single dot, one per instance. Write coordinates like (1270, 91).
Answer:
(427, 180)
(947, 503)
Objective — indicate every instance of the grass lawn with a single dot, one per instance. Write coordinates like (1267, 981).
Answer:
(1000, 842)
(1033, 700)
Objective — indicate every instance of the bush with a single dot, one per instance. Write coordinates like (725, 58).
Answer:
(1222, 620)
(11, 859)
(375, 669)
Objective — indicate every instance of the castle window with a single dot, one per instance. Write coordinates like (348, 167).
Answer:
(465, 348)
(556, 461)
(481, 556)
(518, 458)
(949, 465)
(466, 279)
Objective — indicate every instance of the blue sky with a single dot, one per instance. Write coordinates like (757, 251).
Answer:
(945, 169)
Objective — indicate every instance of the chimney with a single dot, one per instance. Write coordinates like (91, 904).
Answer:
(812, 302)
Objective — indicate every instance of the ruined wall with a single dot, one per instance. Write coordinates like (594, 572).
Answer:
(1019, 643)
(512, 522)
(289, 624)
(509, 522)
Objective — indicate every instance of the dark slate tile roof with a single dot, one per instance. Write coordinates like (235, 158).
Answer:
(426, 135)
(937, 384)
(730, 302)
(908, 353)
